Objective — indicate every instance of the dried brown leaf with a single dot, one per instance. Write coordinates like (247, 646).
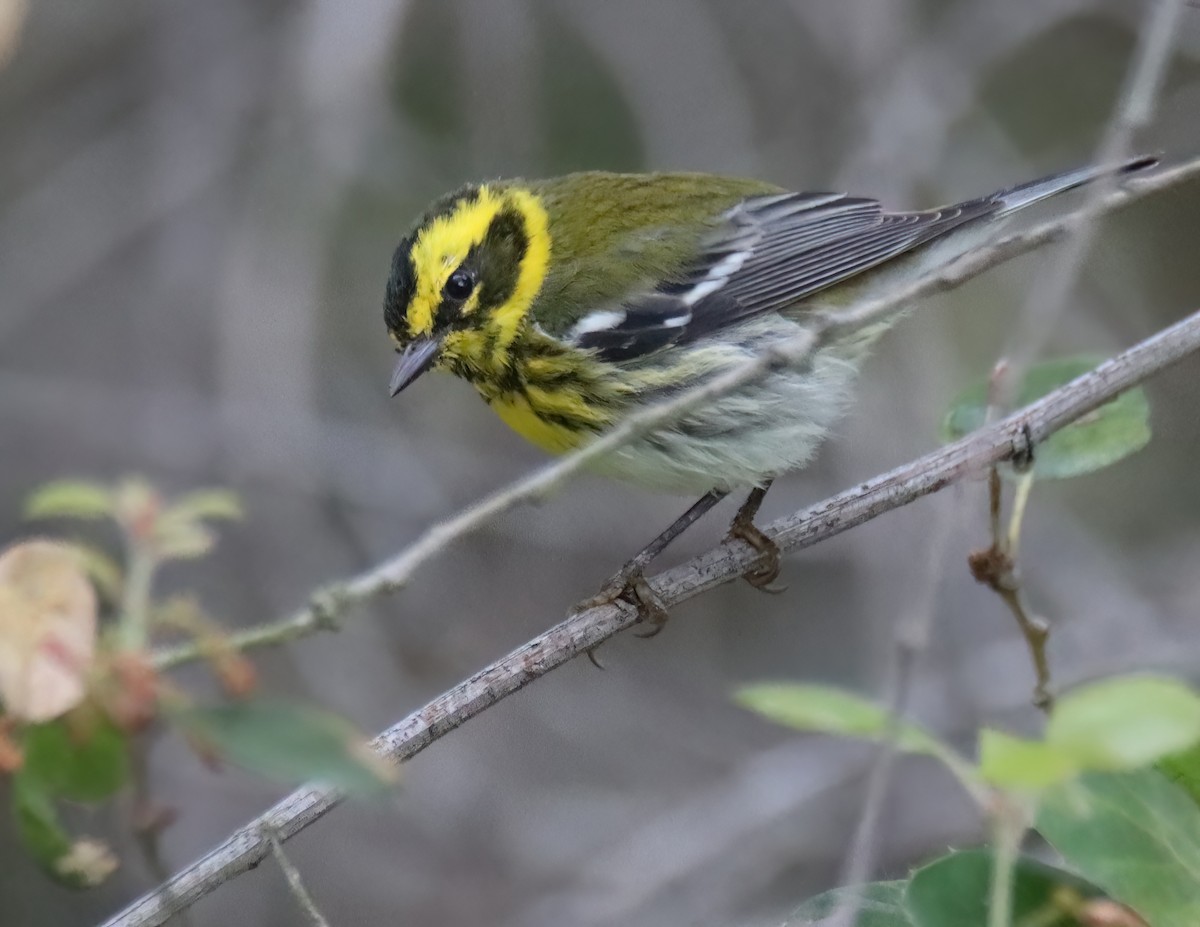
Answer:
(47, 629)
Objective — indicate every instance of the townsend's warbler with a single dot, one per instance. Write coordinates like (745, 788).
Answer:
(568, 303)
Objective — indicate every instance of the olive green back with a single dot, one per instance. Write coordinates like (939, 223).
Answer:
(612, 234)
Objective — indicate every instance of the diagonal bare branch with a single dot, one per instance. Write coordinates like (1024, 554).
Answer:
(1008, 438)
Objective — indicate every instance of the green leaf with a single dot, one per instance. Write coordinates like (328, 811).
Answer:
(290, 743)
(70, 499)
(825, 709)
(1098, 440)
(954, 891)
(39, 827)
(1184, 770)
(1134, 834)
(206, 503)
(880, 904)
(1126, 722)
(176, 539)
(87, 766)
(1012, 763)
(180, 532)
(81, 863)
(37, 821)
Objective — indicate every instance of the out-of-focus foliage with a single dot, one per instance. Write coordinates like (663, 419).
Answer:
(81, 759)
(288, 742)
(1136, 835)
(1133, 834)
(75, 705)
(1098, 440)
(48, 632)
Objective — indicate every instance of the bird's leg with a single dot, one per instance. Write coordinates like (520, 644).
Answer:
(629, 582)
(743, 527)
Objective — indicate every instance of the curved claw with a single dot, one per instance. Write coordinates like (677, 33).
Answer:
(591, 655)
(630, 585)
(762, 576)
(764, 580)
(649, 605)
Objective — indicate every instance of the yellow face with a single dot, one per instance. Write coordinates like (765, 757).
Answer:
(463, 281)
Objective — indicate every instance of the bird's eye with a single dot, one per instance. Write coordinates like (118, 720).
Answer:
(460, 286)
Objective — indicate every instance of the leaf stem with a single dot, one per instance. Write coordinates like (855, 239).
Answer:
(295, 882)
(996, 567)
(1017, 518)
(1008, 827)
(134, 629)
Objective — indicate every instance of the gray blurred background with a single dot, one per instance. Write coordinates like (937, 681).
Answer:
(198, 204)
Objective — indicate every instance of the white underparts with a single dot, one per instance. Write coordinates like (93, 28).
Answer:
(753, 434)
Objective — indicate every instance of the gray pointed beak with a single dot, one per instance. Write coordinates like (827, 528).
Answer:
(414, 361)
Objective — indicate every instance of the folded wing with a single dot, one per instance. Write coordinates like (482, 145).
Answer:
(770, 253)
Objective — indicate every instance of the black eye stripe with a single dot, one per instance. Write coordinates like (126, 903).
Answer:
(401, 286)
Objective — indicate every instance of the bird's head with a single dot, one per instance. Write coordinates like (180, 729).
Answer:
(463, 281)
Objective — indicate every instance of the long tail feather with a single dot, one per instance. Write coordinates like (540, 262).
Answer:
(1035, 191)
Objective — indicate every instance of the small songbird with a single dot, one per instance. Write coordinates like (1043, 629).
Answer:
(572, 302)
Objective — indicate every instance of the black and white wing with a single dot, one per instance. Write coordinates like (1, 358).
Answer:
(771, 253)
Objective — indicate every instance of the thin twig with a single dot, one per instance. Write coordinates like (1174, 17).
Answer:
(150, 818)
(296, 883)
(997, 566)
(724, 563)
(1050, 288)
(331, 602)
(910, 641)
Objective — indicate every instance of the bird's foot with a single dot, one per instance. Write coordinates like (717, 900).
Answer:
(629, 585)
(764, 573)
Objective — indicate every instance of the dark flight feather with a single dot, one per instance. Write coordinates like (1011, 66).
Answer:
(770, 253)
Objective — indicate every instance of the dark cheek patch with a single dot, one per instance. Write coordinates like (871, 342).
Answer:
(502, 251)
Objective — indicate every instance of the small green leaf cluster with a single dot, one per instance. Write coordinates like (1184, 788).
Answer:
(1128, 833)
(78, 683)
(952, 891)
